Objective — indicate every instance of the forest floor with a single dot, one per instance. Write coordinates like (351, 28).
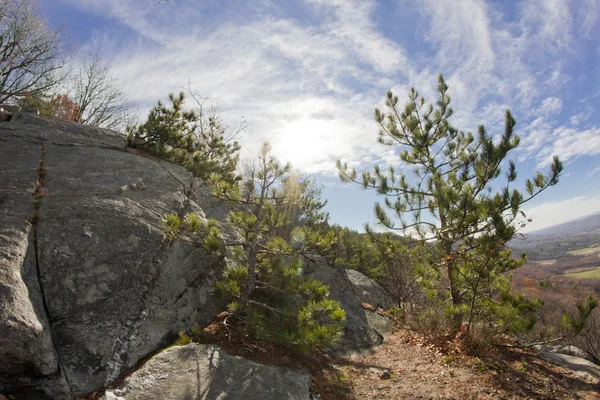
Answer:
(407, 367)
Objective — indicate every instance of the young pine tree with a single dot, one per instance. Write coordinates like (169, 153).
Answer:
(187, 138)
(457, 205)
(267, 290)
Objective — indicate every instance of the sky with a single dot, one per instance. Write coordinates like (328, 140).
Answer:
(306, 75)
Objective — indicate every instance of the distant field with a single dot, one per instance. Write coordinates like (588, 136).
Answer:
(585, 252)
(590, 274)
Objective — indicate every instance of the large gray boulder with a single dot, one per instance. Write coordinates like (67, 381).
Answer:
(362, 298)
(206, 372)
(569, 350)
(95, 288)
(576, 364)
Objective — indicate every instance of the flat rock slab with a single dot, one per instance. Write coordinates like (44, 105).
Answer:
(206, 372)
(569, 350)
(575, 364)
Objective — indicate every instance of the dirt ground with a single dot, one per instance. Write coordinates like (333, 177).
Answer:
(406, 367)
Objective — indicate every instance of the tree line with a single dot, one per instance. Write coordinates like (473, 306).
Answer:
(39, 72)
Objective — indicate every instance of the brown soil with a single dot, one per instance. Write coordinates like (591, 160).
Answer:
(406, 367)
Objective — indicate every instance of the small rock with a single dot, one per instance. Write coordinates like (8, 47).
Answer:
(110, 395)
(5, 116)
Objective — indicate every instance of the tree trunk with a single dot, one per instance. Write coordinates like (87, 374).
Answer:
(454, 289)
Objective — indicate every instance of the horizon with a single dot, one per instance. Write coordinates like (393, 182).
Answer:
(307, 75)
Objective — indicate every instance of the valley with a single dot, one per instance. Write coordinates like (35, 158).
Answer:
(566, 255)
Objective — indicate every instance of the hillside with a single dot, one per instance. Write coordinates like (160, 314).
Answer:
(406, 367)
(567, 254)
(587, 224)
(560, 242)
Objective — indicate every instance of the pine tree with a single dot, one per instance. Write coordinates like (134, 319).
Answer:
(265, 284)
(455, 205)
(184, 137)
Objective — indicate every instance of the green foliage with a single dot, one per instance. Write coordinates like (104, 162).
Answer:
(37, 101)
(383, 257)
(577, 321)
(171, 225)
(285, 307)
(192, 222)
(188, 138)
(454, 206)
(303, 205)
(182, 339)
(395, 312)
(264, 282)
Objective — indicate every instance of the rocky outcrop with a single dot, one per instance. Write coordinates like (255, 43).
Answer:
(89, 287)
(206, 372)
(94, 287)
(569, 350)
(362, 298)
(577, 365)
(572, 358)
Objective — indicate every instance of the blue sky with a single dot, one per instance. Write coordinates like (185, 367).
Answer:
(306, 75)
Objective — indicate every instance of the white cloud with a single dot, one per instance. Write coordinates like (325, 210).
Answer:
(294, 83)
(554, 213)
(570, 143)
(551, 106)
(310, 87)
(355, 29)
(582, 116)
(549, 22)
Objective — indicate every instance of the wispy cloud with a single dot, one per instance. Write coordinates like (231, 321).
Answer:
(307, 77)
(557, 212)
(591, 173)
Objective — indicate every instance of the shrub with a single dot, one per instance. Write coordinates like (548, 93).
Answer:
(187, 138)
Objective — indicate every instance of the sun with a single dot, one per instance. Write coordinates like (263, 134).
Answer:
(306, 142)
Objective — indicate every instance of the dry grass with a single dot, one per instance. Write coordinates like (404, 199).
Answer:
(588, 251)
(589, 274)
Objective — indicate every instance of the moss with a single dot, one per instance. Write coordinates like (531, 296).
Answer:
(182, 339)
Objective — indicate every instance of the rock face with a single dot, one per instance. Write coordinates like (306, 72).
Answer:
(576, 364)
(206, 372)
(95, 287)
(573, 358)
(569, 350)
(359, 296)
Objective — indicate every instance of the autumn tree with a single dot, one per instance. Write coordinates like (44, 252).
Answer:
(30, 52)
(60, 106)
(455, 204)
(64, 108)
